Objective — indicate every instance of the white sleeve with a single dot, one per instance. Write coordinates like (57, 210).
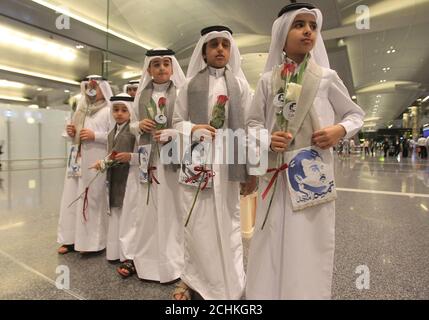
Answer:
(134, 161)
(259, 138)
(66, 136)
(101, 136)
(135, 129)
(350, 114)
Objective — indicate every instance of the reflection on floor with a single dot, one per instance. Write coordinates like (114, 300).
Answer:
(386, 232)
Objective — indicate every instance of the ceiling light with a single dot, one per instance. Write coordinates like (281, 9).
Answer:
(11, 84)
(31, 184)
(130, 74)
(79, 46)
(64, 11)
(35, 44)
(38, 75)
(425, 99)
(11, 98)
(67, 91)
(30, 120)
(372, 119)
(39, 89)
(390, 127)
(33, 106)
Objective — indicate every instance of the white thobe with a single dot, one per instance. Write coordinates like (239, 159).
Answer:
(67, 217)
(157, 235)
(89, 235)
(293, 257)
(213, 245)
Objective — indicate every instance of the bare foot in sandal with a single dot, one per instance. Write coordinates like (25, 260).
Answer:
(66, 248)
(126, 269)
(182, 292)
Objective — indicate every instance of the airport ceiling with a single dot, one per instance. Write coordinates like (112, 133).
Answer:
(385, 66)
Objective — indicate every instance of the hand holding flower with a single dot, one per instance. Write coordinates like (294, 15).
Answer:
(71, 130)
(203, 130)
(147, 125)
(123, 157)
(280, 141)
(249, 186)
(97, 165)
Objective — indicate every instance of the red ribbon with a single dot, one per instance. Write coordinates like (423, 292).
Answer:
(151, 175)
(273, 179)
(85, 204)
(207, 173)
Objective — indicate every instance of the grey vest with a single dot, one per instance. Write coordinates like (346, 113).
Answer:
(117, 176)
(198, 92)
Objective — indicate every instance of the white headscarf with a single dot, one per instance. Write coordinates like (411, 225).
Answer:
(178, 77)
(197, 62)
(82, 107)
(279, 34)
(123, 97)
(102, 83)
(132, 83)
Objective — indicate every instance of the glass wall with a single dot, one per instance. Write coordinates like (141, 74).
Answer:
(32, 136)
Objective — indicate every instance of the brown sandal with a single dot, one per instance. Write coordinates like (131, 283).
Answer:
(128, 266)
(182, 292)
(66, 248)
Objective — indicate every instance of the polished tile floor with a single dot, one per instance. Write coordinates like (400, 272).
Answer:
(382, 232)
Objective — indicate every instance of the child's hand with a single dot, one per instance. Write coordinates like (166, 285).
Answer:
(71, 130)
(123, 157)
(147, 125)
(164, 135)
(87, 135)
(328, 137)
(280, 141)
(204, 130)
(97, 165)
(249, 186)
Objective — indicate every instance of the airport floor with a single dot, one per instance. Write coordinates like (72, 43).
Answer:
(382, 224)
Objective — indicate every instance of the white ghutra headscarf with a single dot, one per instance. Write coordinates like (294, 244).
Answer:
(280, 30)
(197, 62)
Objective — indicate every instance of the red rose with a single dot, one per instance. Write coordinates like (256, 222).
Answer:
(288, 68)
(113, 155)
(162, 102)
(221, 100)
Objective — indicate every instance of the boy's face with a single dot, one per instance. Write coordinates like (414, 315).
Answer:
(160, 69)
(120, 113)
(132, 91)
(217, 53)
(302, 35)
